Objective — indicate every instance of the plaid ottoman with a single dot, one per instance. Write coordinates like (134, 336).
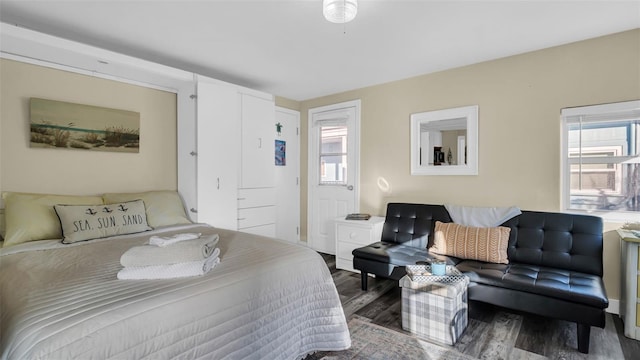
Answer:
(436, 310)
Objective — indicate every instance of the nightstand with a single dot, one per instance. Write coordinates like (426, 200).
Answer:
(352, 234)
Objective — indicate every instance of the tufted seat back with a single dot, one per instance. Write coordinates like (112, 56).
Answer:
(412, 224)
(566, 241)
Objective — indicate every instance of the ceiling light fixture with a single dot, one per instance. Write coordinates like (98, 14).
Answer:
(339, 11)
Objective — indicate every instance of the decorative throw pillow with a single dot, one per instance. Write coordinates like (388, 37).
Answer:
(86, 222)
(485, 244)
(30, 217)
(164, 207)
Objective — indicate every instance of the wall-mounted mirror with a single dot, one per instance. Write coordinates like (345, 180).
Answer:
(445, 142)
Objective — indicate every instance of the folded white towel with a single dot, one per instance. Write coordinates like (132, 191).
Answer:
(481, 216)
(173, 271)
(168, 240)
(183, 251)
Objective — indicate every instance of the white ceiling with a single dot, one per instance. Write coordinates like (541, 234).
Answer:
(287, 48)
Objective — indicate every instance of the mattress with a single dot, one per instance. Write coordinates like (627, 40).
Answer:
(266, 299)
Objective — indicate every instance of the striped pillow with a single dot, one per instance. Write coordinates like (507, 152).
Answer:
(465, 242)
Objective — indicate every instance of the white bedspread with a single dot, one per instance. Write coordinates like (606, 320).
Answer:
(266, 299)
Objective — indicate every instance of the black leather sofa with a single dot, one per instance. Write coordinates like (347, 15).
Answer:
(555, 262)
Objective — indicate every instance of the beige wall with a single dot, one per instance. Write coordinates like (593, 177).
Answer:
(520, 99)
(287, 103)
(83, 172)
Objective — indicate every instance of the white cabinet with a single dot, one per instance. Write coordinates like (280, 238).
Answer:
(235, 172)
(218, 135)
(352, 234)
(257, 211)
(257, 193)
(258, 134)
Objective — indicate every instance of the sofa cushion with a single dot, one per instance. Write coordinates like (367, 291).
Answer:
(412, 224)
(399, 255)
(391, 253)
(568, 285)
(565, 241)
(478, 243)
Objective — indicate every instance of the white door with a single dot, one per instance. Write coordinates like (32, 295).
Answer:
(333, 170)
(287, 165)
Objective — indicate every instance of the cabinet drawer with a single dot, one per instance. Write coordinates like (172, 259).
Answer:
(256, 216)
(345, 248)
(345, 264)
(354, 235)
(248, 198)
(262, 230)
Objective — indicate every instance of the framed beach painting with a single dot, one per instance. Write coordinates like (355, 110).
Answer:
(58, 124)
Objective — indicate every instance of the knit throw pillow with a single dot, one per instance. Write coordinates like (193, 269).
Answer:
(485, 244)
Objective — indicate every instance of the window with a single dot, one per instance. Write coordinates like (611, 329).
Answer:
(601, 159)
(333, 155)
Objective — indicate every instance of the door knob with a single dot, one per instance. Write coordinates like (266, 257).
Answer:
(350, 187)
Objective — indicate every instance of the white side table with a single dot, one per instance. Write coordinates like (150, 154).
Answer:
(630, 283)
(352, 234)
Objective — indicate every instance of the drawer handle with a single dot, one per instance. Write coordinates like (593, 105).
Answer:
(242, 219)
(353, 235)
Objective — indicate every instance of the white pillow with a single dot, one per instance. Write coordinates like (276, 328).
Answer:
(85, 222)
(164, 207)
(30, 217)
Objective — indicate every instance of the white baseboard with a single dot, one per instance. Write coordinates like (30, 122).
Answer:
(614, 306)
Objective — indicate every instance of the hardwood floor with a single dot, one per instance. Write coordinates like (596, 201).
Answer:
(493, 332)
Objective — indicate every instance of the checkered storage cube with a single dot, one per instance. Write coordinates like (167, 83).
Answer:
(435, 310)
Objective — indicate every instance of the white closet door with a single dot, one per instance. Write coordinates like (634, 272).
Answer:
(287, 177)
(218, 155)
(258, 142)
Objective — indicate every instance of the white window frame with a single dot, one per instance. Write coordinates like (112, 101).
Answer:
(604, 112)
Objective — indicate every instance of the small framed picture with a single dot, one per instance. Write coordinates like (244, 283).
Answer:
(281, 153)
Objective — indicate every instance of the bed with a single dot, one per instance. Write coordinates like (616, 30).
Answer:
(265, 299)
